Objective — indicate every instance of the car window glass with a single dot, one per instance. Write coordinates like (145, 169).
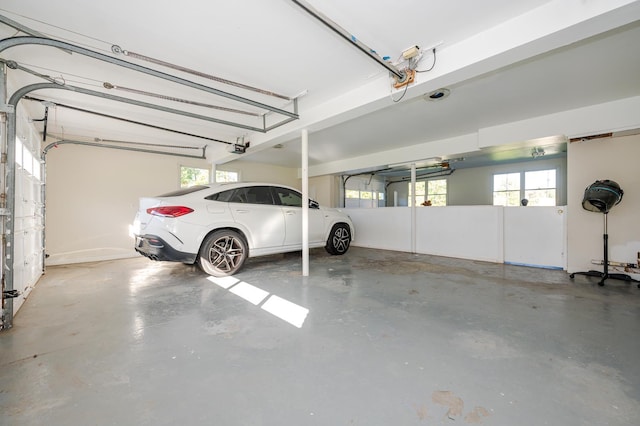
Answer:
(251, 195)
(223, 196)
(288, 197)
(259, 195)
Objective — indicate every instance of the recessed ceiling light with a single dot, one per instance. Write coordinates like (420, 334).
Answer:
(437, 95)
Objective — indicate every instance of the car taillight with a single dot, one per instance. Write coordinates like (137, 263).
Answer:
(169, 211)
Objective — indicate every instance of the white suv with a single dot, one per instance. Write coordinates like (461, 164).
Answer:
(219, 226)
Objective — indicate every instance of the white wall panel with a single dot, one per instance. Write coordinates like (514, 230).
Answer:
(535, 236)
(386, 228)
(531, 235)
(466, 232)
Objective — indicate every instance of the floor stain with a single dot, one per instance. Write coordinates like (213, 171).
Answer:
(454, 403)
(476, 415)
(422, 412)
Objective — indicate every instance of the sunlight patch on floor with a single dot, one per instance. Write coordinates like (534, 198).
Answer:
(285, 310)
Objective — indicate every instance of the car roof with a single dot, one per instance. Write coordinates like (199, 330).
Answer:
(221, 186)
(231, 185)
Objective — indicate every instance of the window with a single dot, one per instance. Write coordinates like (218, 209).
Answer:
(437, 192)
(224, 176)
(506, 189)
(434, 191)
(364, 198)
(539, 188)
(19, 152)
(353, 194)
(190, 176)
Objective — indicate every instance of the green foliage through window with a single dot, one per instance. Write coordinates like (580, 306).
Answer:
(190, 176)
(539, 188)
(434, 191)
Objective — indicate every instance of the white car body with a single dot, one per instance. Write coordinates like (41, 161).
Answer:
(267, 227)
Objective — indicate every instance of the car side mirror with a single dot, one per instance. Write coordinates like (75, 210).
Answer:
(313, 204)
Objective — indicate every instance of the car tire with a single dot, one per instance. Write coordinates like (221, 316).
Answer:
(339, 239)
(222, 253)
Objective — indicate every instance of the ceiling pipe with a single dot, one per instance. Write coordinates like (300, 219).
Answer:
(24, 29)
(123, 148)
(117, 50)
(401, 75)
(126, 120)
(28, 40)
(18, 94)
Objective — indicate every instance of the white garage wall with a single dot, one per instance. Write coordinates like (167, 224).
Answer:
(323, 189)
(258, 172)
(92, 196)
(610, 158)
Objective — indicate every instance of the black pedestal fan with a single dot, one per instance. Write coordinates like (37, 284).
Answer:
(600, 197)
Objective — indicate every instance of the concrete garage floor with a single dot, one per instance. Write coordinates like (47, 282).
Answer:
(389, 339)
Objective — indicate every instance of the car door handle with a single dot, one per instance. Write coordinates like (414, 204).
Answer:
(290, 212)
(242, 211)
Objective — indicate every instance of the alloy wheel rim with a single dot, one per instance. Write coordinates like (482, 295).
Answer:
(225, 254)
(341, 240)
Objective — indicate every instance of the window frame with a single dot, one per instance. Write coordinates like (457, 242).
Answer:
(237, 176)
(426, 194)
(195, 182)
(522, 188)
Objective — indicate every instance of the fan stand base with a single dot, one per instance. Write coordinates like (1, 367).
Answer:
(606, 276)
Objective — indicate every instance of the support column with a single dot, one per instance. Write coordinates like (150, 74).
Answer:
(305, 203)
(413, 208)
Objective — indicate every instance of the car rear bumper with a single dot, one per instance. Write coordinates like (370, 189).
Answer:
(155, 248)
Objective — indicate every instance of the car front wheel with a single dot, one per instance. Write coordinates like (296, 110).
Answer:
(222, 253)
(339, 239)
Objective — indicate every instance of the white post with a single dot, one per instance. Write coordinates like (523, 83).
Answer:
(212, 178)
(395, 198)
(305, 203)
(413, 208)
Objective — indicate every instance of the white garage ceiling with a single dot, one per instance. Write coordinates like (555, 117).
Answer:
(504, 61)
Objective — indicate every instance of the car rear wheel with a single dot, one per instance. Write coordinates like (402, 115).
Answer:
(222, 253)
(339, 239)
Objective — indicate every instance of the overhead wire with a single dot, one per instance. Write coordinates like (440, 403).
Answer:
(62, 29)
(99, 83)
(432, 65)
(412, 65)
(116, 49)
(180, 100)
(126, 120)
